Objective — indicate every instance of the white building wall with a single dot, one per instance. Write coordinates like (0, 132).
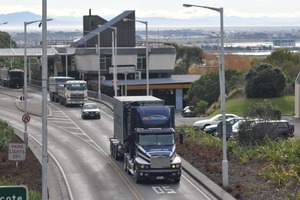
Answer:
(156, 61)
(126, 60)
(87, 62)
(161, 61)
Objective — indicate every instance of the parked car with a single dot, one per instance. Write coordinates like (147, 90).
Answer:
(202, 124)
(276, 128)
(90, 110)
(281, 128)
(188, 111)
(212, 129)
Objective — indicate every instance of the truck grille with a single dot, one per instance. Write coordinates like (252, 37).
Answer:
(77, 96)
(160, 162)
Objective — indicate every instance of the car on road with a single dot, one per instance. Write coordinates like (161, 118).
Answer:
(188, 111)
(202, 124)
(91, 111)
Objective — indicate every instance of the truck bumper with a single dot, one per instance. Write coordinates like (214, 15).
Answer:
(161, 174)
(75, 102)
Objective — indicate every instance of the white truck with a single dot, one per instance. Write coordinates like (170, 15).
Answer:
(144, 138)
(67, 91)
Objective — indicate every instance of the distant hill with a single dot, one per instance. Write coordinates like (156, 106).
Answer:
(17, 19)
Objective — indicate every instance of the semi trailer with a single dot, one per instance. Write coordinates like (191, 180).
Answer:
(67, 90)
(12, 78)
(144, 138)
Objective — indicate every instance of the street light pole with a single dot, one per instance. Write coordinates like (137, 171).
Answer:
(222, 91)
(25, 75)
(99, 70)
(66, 59)
(114, 53)
(147, 51)
(218, 37)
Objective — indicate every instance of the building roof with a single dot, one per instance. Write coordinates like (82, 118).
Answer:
(19, 52)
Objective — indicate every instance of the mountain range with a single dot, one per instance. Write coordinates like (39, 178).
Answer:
(16, 22)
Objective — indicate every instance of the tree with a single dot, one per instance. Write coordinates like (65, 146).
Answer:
(265, 81)
(286, 60)
(180, 68)
(207, 87)
(187, 56)
(6, 42)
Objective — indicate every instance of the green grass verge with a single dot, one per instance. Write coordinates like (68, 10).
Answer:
(240, 105)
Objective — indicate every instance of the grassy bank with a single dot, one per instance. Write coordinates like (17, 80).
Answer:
(240, 104)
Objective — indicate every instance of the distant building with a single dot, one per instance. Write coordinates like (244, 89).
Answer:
(284, 42)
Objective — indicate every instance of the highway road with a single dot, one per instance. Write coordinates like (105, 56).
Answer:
(81, 150)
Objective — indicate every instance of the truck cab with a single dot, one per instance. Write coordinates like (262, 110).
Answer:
(144, 137)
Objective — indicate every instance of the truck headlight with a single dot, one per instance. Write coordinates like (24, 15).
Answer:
(141, 166)
(176, 166)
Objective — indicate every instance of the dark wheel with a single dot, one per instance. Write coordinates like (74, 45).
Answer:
(136, 177)
(176, 180)
(125, 166)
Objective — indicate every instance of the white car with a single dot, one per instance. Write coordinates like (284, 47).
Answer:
(90, 110)
(201, 124)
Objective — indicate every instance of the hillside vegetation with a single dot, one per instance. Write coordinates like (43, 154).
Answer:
(238, 105)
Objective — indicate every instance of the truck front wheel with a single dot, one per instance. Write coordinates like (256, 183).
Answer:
(176, 180)
(126, 166)
(136, 176)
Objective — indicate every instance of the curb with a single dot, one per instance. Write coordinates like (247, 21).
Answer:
(205, 182)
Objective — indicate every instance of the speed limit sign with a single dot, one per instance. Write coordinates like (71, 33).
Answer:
(26, 118)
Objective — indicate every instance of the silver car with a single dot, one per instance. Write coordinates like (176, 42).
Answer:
(91, 111)
(201, 124)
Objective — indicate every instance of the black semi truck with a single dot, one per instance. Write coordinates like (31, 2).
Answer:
(12, 78)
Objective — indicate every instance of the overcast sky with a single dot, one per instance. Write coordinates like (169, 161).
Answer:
(159, 8)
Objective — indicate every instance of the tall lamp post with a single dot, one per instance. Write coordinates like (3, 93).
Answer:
(147, 51)
(218, 37)
(114, 53)
(222, 91)
(25, 75)
(99, 70)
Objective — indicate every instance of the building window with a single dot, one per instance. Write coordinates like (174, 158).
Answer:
(106, 62)
(141, 62)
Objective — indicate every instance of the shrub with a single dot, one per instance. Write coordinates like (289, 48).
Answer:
(6, 134)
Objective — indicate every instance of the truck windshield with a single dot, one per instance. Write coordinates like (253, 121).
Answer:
(80, 86)
(156, 139)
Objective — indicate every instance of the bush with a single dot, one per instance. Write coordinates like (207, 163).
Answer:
(201, 107)
(6, 134)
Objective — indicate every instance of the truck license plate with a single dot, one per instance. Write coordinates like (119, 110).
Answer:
(159, 178)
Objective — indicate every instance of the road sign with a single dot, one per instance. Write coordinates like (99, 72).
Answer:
(26, 118)
(228, 129)
(17, 192)
(16, 152)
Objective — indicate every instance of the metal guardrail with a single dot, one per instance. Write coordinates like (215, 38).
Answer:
(103, 98)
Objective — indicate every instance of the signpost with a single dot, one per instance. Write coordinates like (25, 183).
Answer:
(25, 119)
(14, 192)
(17, 152)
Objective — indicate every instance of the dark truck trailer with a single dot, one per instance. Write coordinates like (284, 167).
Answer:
(12, 78)
(144, 138)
